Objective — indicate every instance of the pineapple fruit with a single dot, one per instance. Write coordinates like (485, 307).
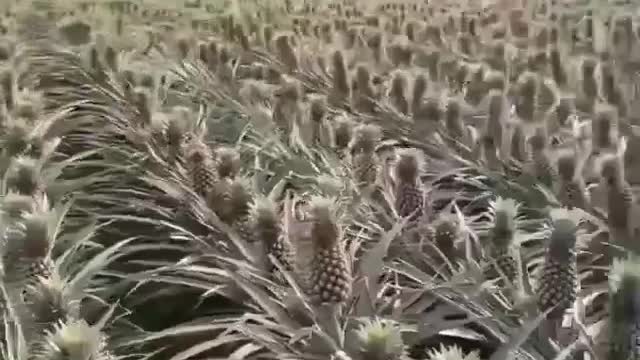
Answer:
(501, 237)
(330, 277)
(558, 282)
(409, 192)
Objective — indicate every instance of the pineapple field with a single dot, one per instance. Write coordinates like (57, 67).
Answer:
(330, 180)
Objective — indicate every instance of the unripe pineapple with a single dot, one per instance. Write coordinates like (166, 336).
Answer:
(409, 192)
(380, 339)
(268, 229)
(541, 165)
(558, 71)
(624, 309)
(501, 236)
(571, 189)
(364, 160)
(330, 278)
(558, 282)
(201, 167)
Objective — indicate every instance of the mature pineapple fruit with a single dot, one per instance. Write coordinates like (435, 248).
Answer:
(624, 309)
(501, 235)
(380, 339)
(558, 282)
(620, 198)
(409, 191)
(268, 229)
(330, 278)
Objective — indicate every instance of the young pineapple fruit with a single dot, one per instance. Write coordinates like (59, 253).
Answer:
(380, 339)
(268, 229)
(227, 162)
(558, 282)
(540, 165)
(571, 189)
(201, 167)
(502, 239)
(330, 278)
(239, 209)
(624, 309)
(445, 233)
(409, 191)
(364, 160)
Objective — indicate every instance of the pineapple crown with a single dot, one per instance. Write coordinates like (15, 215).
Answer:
(74, 340)
(399, 83)
(16, 206)
(495, 80)
(343, 131)
(16, 137)
(497, 105)
(505, 221)
(228, 162)
(37, 235)
(451, 353)
(340, 76)
(409, 165)
(539, 140)
(611, 168)
(625, 275)
(325, 232)
(50, 299)
(240, 198)
(604, 124)
(624, 305)
(289, 91)
(177, 124)
(23, 175)
(567, 164)
(420, 87)
(563, 229)
(198, 152)
(380, 339)
(528, 86)
(318, 109)
(266, 221)
(363, 76)
(366, 138)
